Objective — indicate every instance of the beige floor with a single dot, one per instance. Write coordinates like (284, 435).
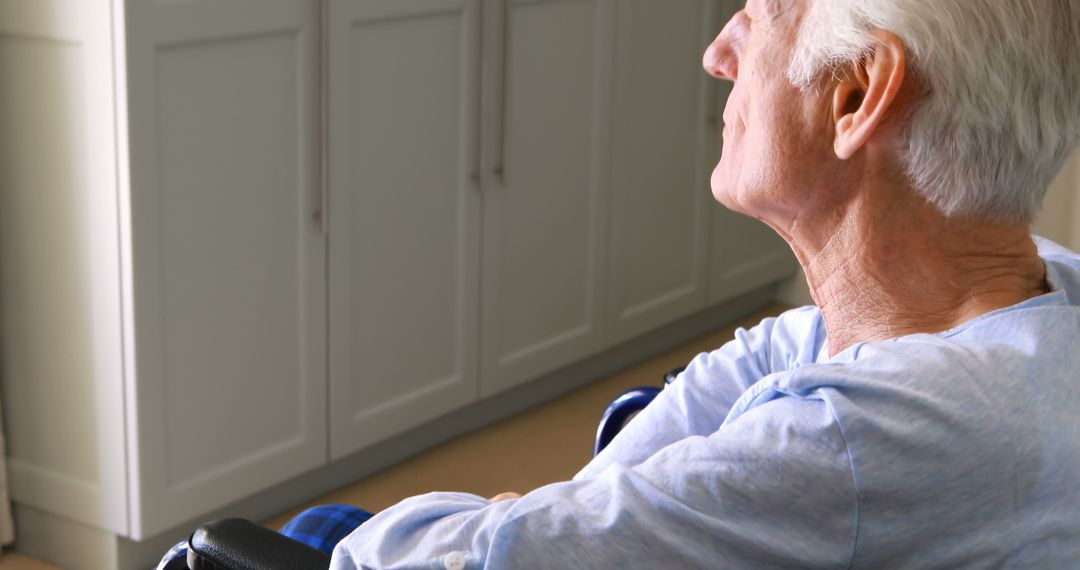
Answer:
(547, 444)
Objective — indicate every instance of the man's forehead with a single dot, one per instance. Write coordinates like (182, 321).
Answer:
(772, 9)
(775, 11)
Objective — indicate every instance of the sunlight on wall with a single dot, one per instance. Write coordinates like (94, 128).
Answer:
(1060, 218)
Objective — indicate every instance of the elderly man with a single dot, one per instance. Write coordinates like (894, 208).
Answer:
(925, 412)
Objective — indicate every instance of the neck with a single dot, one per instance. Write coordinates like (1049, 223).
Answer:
(884, 270)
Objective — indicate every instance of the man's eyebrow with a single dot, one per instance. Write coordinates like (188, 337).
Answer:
(764, 10)
(777, 11)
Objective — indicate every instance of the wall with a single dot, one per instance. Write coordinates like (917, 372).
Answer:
(1060, 218)
(1059, 221)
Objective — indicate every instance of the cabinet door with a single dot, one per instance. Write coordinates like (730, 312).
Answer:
(549, 65)
(226, 348)
(664, 136)
(61, 363)
(404, 225)
(744, 253)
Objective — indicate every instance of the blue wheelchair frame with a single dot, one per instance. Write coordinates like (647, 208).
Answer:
(624, 407)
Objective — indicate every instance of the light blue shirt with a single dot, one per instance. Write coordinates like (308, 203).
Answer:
(957, 449)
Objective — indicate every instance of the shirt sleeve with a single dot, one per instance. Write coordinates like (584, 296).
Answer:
(699, 400)
(771, 489)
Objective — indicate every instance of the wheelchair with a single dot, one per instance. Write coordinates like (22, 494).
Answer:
(240, 544)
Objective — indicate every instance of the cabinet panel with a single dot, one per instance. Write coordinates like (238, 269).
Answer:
(662, 144)
(228, 264)
(62, 373)
(544, 205)
(405, 215)
(221, 162)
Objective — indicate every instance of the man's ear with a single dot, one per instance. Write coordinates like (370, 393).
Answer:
(863, 97)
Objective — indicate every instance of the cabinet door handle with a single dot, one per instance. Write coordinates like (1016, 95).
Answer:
(323, 199)
(478, 105)
(499, 161)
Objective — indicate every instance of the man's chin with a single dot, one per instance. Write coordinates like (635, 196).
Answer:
(724, 193)
(729, 197)
(724, 185)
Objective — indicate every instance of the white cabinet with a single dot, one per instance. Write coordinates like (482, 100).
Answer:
(62, 366)
(178, 281)
(405, 217)
(227, 264)
(660, 198)
(242, 240)
(428, 153)
(544, 235)
(674, 249)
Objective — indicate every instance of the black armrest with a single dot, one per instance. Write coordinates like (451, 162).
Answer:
(239, 544)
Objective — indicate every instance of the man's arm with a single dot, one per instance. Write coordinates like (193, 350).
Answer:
(699, 400)
(772, 488)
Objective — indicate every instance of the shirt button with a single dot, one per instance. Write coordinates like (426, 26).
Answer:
(454, 561)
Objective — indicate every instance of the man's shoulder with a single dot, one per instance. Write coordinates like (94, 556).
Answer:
(1062, 269)
(962, 429)
(1022, 365)
(1039, 339)
(1051, 249)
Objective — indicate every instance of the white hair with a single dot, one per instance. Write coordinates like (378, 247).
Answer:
(1001, 78)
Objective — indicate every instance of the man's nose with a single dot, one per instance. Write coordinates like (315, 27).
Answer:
(721, 59)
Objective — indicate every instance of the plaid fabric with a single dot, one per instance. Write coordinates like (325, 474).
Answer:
(322, 527)
(319, 527)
